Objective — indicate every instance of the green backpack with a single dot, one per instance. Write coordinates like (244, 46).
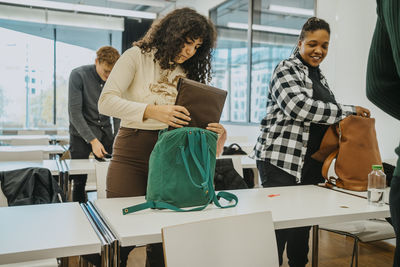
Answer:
(181, 172)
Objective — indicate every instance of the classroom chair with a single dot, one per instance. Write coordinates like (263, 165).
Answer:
(31, 132)
(362, 231)
(232, 241)
(22, 156)
(30, 142)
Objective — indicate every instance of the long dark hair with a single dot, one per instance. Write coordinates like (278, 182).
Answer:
(168, 36)
(311, 25)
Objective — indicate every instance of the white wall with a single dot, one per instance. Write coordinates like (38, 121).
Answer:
(352, 24)
(250, 131)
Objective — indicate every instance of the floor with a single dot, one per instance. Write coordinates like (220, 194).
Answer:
(336, 250)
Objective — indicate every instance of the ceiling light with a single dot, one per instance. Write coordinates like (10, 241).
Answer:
(82, 8)
(154, 3)
(292, 10)
(264, 28)
(54, 17)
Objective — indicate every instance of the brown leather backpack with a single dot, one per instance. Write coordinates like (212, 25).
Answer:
(353, 143)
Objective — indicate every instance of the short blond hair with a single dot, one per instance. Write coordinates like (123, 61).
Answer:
(107, 54)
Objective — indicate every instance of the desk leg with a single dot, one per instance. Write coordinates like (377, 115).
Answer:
(106, 255)
(69, 189)
(315, 241)
(257, 182)
(64, 262)
(116, 246)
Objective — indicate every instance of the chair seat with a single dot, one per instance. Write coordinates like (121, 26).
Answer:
(364, 230)
(232, 241)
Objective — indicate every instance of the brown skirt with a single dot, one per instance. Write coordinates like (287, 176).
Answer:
(127, 173)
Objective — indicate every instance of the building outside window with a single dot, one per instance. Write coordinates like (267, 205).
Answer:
(27, 86)
(37, 62)
(244, 60)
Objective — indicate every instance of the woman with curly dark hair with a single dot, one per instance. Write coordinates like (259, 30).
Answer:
(141, 91)
(169, 36)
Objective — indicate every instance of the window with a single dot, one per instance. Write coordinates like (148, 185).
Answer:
(274, 34)
(76, 47)
(28, 66)
(38, 59)
(230, 61)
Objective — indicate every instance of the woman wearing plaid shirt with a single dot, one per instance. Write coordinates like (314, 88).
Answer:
(300, 108)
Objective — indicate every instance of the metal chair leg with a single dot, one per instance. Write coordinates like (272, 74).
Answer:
(354, 257)
(63, 262)
(356, 244)
(84, 263)
(354, 251)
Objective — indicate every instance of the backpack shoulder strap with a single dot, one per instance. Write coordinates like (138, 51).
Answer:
(159, 205)
(228, 197)
(163, 205)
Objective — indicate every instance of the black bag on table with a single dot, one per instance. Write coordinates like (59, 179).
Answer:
(226, 177)
(248, 174)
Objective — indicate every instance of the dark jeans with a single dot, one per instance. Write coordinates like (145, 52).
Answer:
(295, 239)
(79, 149)
(394, 202)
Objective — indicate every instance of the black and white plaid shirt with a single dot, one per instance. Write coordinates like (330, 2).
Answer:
(290, 112)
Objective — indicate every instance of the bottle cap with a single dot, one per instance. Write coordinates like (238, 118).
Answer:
(377, 167)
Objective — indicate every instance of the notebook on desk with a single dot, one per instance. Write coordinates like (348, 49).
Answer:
(204, 102)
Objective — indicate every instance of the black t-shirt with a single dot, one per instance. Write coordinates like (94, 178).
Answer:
(311, 172)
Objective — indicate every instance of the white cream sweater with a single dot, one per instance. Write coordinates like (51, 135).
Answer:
(136, 81)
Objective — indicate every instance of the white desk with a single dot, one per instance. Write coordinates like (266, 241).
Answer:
(245, 160)
(52, 138)
(63, 139)
(81, 166)
(295, 206)
(14, 165)
(248, 162)
(45, 231)
(8, 138)
(362, 194)
(47, 149)
(77, 167)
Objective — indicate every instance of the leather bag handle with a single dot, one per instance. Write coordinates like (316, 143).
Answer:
(327, 164)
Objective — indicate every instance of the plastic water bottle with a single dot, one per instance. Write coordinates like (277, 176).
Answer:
(376, 186)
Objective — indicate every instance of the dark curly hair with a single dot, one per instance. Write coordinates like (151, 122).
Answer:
(169, 35)
(313, 24)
